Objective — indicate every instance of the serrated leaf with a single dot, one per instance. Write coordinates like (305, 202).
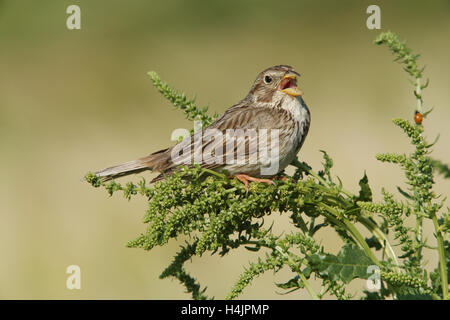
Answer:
(350, 263)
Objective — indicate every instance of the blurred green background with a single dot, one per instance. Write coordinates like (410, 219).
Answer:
(72, 101)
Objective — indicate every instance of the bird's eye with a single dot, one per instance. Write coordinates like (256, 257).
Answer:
(267, 79)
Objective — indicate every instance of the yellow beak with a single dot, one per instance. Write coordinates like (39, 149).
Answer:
(290, 79)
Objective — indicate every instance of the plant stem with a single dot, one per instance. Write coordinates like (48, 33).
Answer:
(419, 95)
(366, 222)
(217, 174)
(419, 237)
(308, 287)
(382, 238)
(302, 277)
(346, 224)
(442, 258)
(362, 242)
(297, 164)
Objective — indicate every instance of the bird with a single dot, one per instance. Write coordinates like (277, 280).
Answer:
(273, 111)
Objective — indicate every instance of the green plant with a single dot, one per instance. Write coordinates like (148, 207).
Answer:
(218, 215)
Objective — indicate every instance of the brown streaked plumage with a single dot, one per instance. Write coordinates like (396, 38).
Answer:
(274, 102)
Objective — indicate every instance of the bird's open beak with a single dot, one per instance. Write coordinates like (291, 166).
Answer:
(288, 85)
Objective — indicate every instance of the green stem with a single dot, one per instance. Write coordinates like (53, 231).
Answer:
(419, 223)
(362, 242)
(217, 174)
(302, 277)
(366, 222)
(381, 236)
(354, 233)
(442, 258)
(297, 164)
(308, 287)
(419, 95)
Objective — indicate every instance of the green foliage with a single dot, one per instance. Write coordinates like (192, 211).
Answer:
(393, 213)
(175, 269)
(180, 101)
(217, 215)
(349, 264)
(402, 53)
(365, 193)
(441, 168)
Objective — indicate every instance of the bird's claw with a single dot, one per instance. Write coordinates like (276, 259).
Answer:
(244, 178)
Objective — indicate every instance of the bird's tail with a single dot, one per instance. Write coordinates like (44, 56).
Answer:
(159, 161)
(123, 169)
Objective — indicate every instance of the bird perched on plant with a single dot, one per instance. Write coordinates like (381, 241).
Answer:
(273, 105)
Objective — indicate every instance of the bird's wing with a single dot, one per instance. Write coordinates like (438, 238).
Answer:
(206, 144)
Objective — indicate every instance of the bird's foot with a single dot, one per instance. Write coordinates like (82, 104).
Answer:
(244, 178)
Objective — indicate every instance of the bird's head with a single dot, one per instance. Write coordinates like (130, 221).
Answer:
(274, 84)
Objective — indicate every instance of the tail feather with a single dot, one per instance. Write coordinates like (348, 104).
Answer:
(159, 161)
(123, 169)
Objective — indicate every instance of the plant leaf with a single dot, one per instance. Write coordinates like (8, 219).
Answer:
(404, 193)
(292, 283)
(372, 242)
(365, 193)
(351, 262)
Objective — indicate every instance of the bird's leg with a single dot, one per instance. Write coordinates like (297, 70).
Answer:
(244, 178)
